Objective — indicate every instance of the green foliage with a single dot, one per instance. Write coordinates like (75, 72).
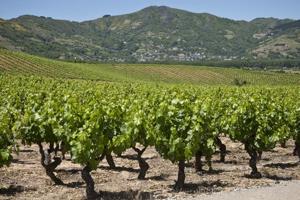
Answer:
(93, 118)
(137, 123)
(174, 139)
(259, 118)
(6, 137)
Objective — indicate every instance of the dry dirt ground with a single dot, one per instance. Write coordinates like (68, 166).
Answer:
(283, 191)
(26, 179)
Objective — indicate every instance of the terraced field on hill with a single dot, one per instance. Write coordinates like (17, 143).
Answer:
(21, 63)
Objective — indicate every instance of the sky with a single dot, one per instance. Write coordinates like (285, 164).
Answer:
(81, 10)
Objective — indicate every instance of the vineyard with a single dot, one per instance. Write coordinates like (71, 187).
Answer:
(89, 122)
(21, 63)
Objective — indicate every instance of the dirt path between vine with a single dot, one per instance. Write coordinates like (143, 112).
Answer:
(26, 179)
(285, 191)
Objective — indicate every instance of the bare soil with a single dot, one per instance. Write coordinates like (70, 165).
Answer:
(282, 191)
(26, 179)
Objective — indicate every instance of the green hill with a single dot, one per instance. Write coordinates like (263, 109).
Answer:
(21, 63)
(152, 34)
(283, 41)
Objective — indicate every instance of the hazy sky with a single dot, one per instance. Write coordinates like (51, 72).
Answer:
(80, 10)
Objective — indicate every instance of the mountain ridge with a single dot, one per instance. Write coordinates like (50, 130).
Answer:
(155, 33)
(154, 7)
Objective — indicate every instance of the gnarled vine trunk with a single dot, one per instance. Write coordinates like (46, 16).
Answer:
(222, 148)
(48, 165)
(144, 166)
(51, 147)
(295, 151)
(208, 160)
(64, 149)
(181, 176)
(198, 162)
(56, 149)
(259, 157)
(110, 160)
(283, 144)
(90, 184)
(253, 160)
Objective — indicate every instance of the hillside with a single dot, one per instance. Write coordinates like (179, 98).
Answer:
(152, 34)
(21, 63)
(284, 43)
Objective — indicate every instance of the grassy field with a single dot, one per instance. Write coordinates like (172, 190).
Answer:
(20, 63)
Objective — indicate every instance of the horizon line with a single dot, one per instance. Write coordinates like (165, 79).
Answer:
(116, 15)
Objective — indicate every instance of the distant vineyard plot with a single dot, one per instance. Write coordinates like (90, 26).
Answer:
(21, 63)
